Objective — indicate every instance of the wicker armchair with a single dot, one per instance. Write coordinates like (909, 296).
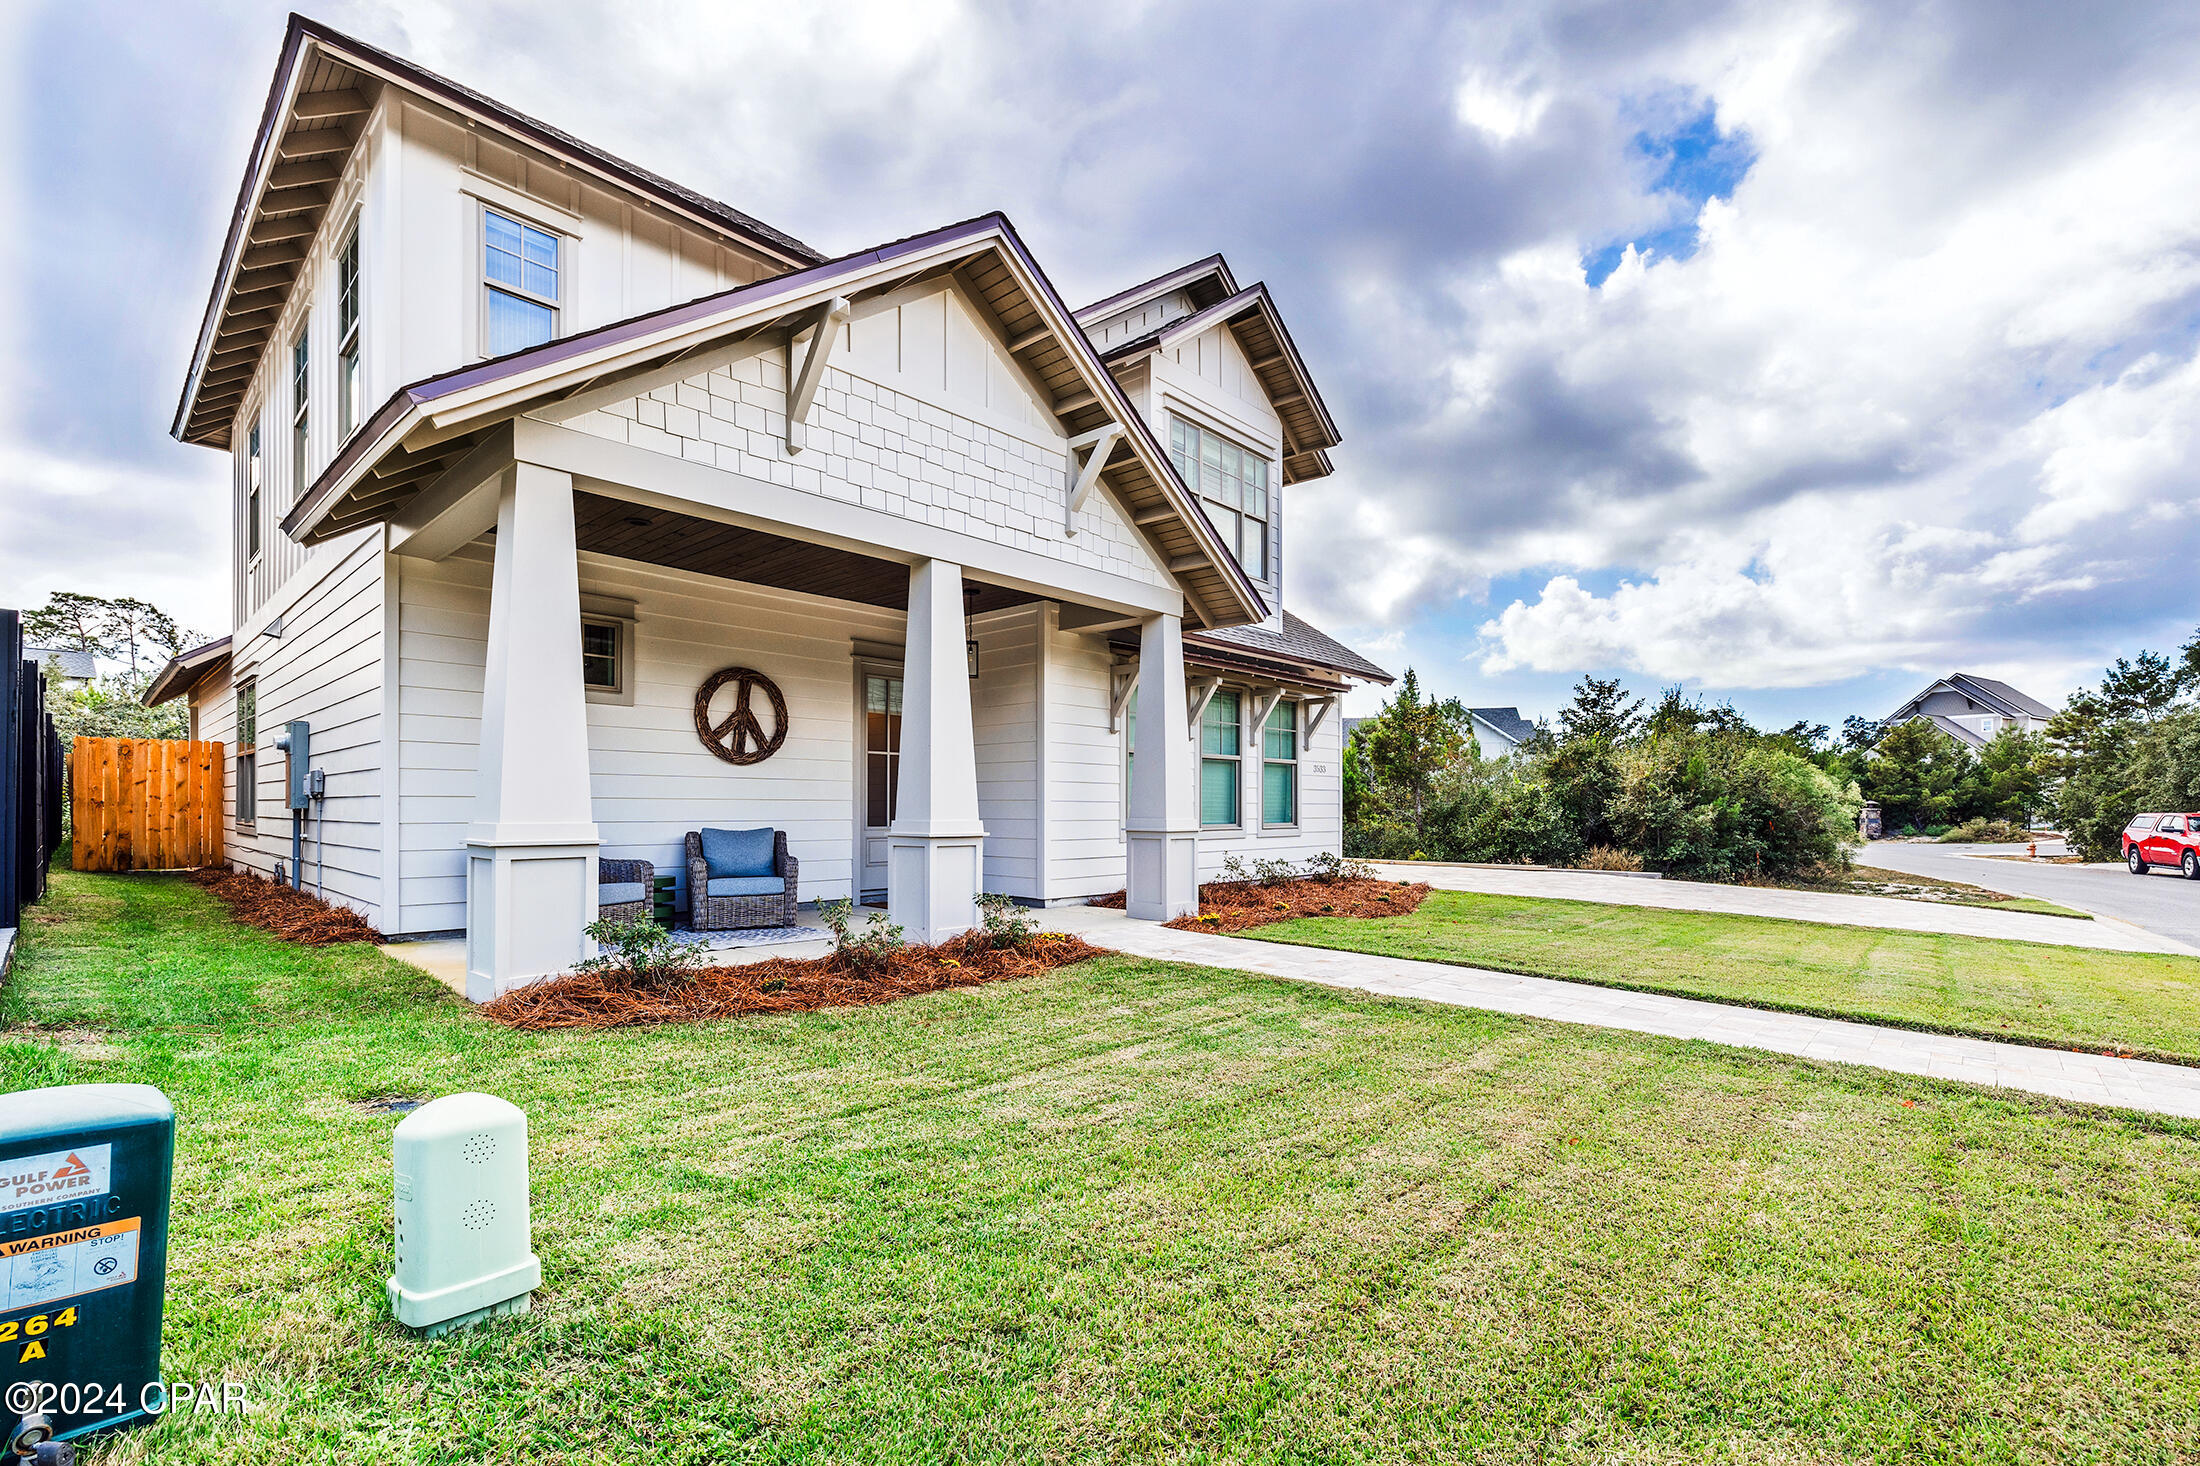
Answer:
(708, 913)
(625, 873)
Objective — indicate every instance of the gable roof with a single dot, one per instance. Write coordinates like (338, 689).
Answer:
(324, 82)
(186, 670)
(1507, 723)
(1205, 281)
(1308, 429)
(1995, 696)
(436, 421)
(74, 661)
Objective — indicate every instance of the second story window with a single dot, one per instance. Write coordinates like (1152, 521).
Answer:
(349, 407)
(1232, 485)
(252, 494)
(301, 376)
(520, 280)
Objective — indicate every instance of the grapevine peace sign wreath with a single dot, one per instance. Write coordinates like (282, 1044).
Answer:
(739, 737)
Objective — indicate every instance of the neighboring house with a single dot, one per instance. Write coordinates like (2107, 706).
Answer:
(1973, 709)
(78, 668)
(529, 443)
(1498, 731)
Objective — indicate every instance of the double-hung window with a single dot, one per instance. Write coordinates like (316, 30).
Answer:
(349, 387)
(301, 409)
(252, 471)
(1221, 743)
(1279, 766)
(248, 786)
(603, 669)
(520, 280)
(1232, 485)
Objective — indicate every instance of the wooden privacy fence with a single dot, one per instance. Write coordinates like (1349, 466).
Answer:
(145, 803)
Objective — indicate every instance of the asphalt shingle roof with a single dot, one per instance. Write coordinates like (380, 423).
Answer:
(74, 663)
(1506, 721)
(1296, 642)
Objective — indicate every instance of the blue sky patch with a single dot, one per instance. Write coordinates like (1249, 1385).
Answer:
(1693, 162)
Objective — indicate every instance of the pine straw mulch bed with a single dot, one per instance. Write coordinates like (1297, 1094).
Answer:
(292, 915)
(1232, 906)
(594, 1000)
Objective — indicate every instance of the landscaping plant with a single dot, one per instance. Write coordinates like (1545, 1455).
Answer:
(866, 951)
(634, 949)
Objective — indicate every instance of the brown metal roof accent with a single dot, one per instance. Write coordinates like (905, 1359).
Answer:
(1206, 281)
(1064, 363)
(186, 670)
(337, 80)
(1309, 430)
(1296, 642)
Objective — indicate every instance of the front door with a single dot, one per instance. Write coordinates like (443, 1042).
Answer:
(879, 782)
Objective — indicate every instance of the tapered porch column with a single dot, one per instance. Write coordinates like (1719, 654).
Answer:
(531, 849)
(935, 844)
(1161, 835)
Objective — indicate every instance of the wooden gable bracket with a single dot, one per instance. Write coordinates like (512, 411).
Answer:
(824, 325)
(1119, 697)
(1314, 712)
(1198, 695)
(1101, 441)
(1264, 703)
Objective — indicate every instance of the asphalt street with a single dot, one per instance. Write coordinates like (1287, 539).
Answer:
(2161, 901)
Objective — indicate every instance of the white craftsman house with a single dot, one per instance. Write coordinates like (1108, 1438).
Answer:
(531, 444)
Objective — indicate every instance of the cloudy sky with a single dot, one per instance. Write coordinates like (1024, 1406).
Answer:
(1794, 353)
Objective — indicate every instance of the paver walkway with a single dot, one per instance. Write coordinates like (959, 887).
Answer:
(1831, 908)
(2169, 1089)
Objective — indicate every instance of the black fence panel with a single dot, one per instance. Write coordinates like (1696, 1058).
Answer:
(30, 777)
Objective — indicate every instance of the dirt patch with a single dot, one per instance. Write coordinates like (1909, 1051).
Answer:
(1232, 906)
(780, 985)
(292, 915)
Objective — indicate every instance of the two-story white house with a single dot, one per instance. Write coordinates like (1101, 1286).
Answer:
(576, 511)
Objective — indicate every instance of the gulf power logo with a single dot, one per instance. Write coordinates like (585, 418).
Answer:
(55, 1176)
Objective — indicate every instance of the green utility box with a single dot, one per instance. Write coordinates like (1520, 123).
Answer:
(84, 1175)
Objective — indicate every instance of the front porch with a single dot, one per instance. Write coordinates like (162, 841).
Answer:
(946, 731)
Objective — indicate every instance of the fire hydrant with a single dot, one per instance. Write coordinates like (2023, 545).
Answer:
(2032, 851)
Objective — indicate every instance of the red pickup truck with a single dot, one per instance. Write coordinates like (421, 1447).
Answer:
(2163, 839)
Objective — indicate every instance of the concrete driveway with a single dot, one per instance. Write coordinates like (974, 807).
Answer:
(1832, 908)
(2162, 901)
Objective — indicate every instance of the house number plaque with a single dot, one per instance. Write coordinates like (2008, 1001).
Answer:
(739, 737)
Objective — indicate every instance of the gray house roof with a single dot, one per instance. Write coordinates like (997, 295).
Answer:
(1297, 642)
(1988, 693)
(1507, 722)
(74, 663)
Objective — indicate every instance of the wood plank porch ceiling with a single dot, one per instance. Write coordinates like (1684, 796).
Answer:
(607, 526)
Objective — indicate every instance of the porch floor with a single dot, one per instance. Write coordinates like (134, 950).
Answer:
(445, 960)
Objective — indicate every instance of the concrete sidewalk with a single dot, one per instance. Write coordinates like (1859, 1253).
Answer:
(1885, 912)
(2168, 1089)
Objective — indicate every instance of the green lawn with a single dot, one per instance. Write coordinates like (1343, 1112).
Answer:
(1128, 1212)
(2069, 997)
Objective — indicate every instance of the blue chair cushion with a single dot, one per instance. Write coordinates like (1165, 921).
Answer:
(746, 886)
(615, 891)
(739, 852)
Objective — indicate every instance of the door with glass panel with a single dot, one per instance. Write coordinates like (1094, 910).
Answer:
(879, 781)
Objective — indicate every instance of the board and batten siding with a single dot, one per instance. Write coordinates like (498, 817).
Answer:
(326, 668)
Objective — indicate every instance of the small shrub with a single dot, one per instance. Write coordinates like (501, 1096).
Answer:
(1008, 926)
(1981, 830)
(1606, 857)
(1275, 872)
(1233, 869)
(635, 948)
(866, 951)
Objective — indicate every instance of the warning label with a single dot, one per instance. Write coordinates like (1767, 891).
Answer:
(62, 1264)
(58, 1175)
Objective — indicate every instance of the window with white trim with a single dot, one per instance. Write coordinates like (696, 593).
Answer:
(349, 386)
(603, 654)
(1232, 484)
(301, 410)
(1221, 742)
(248, 785)
(1279, 765)
(253, 470)
(520, 271)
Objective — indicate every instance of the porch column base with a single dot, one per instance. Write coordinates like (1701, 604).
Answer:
(1162, 874)
(526, 903)
(932, 883)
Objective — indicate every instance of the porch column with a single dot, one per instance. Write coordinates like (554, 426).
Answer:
(531, 849)
(935, 844)
(1161, 835)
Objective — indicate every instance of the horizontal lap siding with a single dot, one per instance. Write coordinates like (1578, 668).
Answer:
(651, 778)
(1085, 771)
(326, 668)
(1003, 714)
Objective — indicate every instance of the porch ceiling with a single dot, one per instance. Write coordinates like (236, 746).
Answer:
(607, 526)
